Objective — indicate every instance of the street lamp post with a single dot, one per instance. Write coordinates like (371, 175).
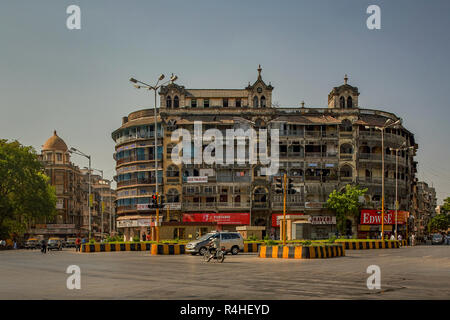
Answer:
(155, 88)
(396, 182)
(386, 125)
(101, 202)
(78, 152)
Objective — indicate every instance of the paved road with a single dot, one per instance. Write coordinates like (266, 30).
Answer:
(407, 273)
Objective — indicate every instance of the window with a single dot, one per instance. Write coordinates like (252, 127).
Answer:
(238, 103)
(176, 102)
(206, 103)
(173, 196)
(263, 102)
(59, 156)
(169, 102)
(172, 171)
(255, 102)
(342, 102)
(349, 102)
(193, 103)
(225, 103)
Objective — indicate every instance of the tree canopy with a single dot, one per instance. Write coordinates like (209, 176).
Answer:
(25, 193)
(345, 204)
(439, 223)
(446, 206)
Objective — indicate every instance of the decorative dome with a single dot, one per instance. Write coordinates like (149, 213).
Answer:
(54, 143)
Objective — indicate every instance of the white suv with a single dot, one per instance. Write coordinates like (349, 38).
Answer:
(232, 241)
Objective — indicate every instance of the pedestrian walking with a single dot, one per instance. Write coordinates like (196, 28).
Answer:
(77, 244)
(44, 246)
(413, 240)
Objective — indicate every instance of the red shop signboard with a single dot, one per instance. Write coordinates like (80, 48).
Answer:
(369, 216)
(220, 218)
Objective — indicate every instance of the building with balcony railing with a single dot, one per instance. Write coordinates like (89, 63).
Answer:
(320, 149)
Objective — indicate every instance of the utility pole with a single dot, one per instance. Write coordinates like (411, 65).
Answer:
(284, 209)
(155, 88)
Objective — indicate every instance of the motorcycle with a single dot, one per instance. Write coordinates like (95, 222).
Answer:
(213, 254)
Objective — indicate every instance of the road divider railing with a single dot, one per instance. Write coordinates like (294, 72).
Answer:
(371, 244)
(302, 252)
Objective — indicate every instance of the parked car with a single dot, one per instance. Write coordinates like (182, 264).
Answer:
(437, 238)
(232, 241)
(54, 244)
(70, 243)
(32, 243)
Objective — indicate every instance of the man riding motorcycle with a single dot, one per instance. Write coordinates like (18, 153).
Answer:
(214, 244)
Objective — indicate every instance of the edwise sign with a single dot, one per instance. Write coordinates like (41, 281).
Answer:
(374, 216)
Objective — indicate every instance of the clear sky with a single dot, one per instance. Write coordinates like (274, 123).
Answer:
(76, 81)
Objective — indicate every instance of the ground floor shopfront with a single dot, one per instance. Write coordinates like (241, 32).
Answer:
(370, 224)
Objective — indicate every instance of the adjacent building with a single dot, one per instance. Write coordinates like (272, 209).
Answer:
(425, 207)
(320, 149)
(71, 187)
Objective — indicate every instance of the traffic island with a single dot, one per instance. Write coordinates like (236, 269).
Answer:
(371, 244)
(302, 252)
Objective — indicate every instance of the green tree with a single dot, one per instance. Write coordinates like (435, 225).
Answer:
(438, 223)
(25, 193)
(345, 204)
(446, 206)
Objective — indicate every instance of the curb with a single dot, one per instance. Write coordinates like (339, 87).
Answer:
(113, 247)
(300, 252)
(251, 247)
(171, 249)
(377, 244)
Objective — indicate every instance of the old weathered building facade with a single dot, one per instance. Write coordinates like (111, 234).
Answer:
(320, 149)
(71, 186)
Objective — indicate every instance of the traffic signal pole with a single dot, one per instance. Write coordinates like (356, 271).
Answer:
(284, 210)
(157, 218)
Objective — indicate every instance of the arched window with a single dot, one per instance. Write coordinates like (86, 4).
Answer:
(368, 173)
(173, 196)
(263, 102)
(169, 102)
(176, 102)
(346, 148)
(342, 102)
(346, 171)
(260, 195)
(173, 171)
(349, 102)
(255, 102)
(346, 125)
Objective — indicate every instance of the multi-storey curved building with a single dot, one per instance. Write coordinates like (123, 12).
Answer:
(320, 149)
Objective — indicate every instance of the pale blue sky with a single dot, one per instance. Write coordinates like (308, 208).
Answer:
(76, 81)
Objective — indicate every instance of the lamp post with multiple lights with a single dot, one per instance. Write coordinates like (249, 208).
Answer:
(388, 124)
(78, 152)
(142, 85)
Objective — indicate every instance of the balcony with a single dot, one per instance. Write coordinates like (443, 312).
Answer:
(137, 182)
(291, 133)
(312, 134)
(346, 156)
(313, 154)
